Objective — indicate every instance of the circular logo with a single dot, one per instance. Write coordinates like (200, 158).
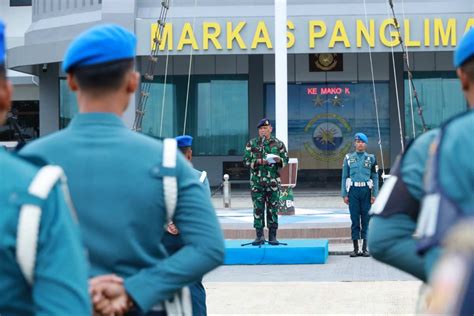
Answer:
(326, 61)
(327, 136)
(331, 137)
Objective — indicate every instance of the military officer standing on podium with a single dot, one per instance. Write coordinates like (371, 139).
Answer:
(359, 187)
(46, 276)
(265, 155)
(120, 182)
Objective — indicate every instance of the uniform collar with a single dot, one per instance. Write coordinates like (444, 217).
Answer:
(96, 118)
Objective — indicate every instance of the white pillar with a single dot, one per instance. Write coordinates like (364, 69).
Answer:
(281, 73)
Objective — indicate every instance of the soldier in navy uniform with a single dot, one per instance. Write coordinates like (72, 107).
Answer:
(359, 187)
(172, 239)
(125, 185)
(396, 210)
(43, 269)
(185, 143)
(449, 180)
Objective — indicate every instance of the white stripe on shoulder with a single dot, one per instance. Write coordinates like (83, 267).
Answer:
(169, 152)
(30, 218)
(203, 176)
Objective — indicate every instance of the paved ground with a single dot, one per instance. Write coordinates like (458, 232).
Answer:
(342, 286)
(305, 298)
(337, 269)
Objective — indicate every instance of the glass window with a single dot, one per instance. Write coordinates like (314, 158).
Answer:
(22, 123)
(160, 115)
(20, 3)
(216, 115)
(323, 118)
(68, 106)
(441, 98)
(222, 117)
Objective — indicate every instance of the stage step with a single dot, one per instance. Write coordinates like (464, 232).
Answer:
(298, 251)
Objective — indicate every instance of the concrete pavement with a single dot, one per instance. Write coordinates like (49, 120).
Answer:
(344, 286)
(323, 298)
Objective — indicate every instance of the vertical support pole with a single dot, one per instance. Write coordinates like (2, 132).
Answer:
(281, 73)
(226, 191)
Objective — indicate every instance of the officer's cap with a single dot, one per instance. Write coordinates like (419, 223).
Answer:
(263, 122)
(362, 137)
(2, 43)
(184, 141)
(100, 44)
(465, 49)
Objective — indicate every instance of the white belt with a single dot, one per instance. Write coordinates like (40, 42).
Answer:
(359, 184)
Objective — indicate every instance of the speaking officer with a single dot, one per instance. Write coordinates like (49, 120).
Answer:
(117, 180)
(43, 269)
(359, 187)
(265, 155)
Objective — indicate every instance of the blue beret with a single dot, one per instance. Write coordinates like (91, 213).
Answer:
(100, 44)
(361, 137)
(263, 122)
(184, 141)
(465, 49)
(2, 43)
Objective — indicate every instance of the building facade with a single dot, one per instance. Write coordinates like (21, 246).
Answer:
(215, 77)
(23, 121)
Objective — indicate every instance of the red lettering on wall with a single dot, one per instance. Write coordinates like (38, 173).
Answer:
(326, 90)
(312, 90)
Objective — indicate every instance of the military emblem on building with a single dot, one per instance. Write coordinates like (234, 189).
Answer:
(325, 62)
(331, 137)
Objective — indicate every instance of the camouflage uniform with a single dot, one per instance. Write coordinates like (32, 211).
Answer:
(265, 179)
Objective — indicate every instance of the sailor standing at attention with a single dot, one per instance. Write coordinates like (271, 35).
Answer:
(359, 187)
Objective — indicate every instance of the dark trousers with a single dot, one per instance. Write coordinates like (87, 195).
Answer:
(359, 206)
(198, 294)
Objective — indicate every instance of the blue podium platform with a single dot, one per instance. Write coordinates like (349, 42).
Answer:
(298, 251)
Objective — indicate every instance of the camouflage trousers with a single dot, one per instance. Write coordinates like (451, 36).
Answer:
(267, 197)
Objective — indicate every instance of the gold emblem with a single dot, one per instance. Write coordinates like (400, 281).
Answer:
(326, 61)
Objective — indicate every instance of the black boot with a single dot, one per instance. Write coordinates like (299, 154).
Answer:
(365, 253)
(355, 253)
(260, 240)
(272, 237)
